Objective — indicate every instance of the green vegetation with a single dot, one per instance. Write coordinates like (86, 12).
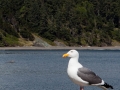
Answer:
(8, 40)
(27, 35)
(76, 22)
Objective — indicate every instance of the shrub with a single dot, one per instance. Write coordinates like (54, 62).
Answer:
(27, 35)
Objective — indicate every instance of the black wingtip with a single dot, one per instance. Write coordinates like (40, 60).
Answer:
(107, 86)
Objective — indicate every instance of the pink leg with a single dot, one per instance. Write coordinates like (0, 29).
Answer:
(81, 88)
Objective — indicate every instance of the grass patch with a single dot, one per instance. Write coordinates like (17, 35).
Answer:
(10, 40)
(115, 43)
(24, 42)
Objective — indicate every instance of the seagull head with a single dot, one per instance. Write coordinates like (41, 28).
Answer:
(71, 54)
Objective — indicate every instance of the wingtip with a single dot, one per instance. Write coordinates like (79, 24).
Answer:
(106, 86)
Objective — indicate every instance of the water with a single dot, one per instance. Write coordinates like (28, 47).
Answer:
(46, 69)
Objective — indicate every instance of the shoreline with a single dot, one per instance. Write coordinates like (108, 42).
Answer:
(60, 48)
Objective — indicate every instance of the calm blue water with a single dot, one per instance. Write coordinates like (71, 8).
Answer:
(46, 70)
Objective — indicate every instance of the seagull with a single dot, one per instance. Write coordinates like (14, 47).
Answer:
(81, 75)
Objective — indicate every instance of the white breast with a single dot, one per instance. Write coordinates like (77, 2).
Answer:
(72, 73)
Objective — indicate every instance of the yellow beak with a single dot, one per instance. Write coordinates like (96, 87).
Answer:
(65, 55)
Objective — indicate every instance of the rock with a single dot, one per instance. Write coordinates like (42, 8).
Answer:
(57, 43)
(12, 61)
(40, 43)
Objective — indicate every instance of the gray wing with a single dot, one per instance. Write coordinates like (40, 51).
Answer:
(89, 76)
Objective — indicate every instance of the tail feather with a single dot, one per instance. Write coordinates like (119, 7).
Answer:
(107, 86)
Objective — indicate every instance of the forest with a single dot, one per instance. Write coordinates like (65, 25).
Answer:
(74, 22)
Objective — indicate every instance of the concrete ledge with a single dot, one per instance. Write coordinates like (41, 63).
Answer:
(60, 48)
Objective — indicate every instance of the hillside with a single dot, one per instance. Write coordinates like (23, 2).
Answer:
(65, 22)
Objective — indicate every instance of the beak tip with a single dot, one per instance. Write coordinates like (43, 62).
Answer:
(65, 55)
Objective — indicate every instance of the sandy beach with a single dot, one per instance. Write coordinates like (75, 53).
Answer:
(60, 48)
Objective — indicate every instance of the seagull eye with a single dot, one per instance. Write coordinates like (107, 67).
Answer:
(71, 51)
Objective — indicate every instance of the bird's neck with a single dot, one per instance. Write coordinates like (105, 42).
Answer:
(74, 61)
